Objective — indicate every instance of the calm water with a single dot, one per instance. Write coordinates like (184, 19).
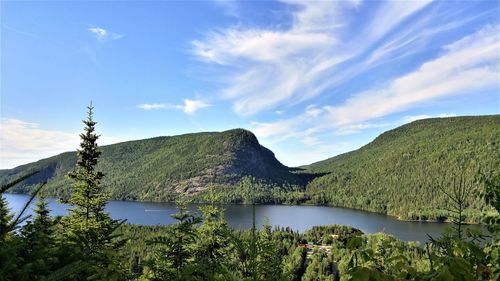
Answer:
(240, 216)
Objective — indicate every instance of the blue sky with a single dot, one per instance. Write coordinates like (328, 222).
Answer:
(310, 79)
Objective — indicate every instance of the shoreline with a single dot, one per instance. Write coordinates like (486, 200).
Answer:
(281, 204)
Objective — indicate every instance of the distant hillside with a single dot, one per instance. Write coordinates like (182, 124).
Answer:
(399, 171)
(159, 168)
(396, 174)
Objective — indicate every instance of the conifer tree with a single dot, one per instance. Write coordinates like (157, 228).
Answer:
(174, 258)
(8, 243)
(5, 218)
(268, 259)
(88, 227)
(38, 247)
(87, 221)
(210, 249)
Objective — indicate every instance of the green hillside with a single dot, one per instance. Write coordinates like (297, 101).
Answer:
(159, 168)
(398, 173)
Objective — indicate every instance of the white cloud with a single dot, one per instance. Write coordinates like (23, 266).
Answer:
(357, 127)
(416, 37)
(99, 32)
(465, 67)
(272, 64)
(151, 106)
(468, 65)
(267, 130)
(269, 66)
(104, 35)
(310, 141)
(313, 153)
(23, 142)
(411, 118)
(389, 14)
(313, 111)
(189, 106)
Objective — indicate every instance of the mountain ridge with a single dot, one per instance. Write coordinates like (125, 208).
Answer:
(395, 174)
(183, 164)
(401, 172)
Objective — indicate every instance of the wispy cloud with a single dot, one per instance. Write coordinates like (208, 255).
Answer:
(314, 153)
(269, 67)
(464, 67)
(92, 49)
(467, 65)
(23, 142)
(189, 106)
(103, 35)
(151, 106)
(270, 63)
(18, 31)
(231, 8)
(411, 118)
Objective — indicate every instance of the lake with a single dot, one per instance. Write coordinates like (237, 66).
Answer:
(298, 218)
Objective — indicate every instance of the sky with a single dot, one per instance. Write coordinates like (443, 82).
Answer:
(310, 79)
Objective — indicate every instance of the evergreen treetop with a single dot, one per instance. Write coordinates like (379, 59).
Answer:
(88, 222)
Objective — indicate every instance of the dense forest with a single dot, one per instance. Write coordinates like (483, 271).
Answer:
(404, 172)
(161, 168)
(200, 246)
(87, 244)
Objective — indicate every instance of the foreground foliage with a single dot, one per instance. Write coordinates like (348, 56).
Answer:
(200, 246)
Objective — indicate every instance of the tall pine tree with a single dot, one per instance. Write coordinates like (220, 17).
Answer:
(88, 227)
(87, 222)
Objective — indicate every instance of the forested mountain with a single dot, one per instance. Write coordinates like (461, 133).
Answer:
(404, 171)
(156, 169)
